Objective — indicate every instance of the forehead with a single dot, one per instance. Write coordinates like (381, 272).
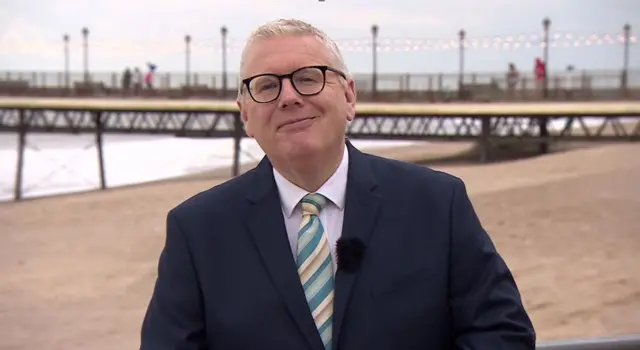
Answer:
(284, 54)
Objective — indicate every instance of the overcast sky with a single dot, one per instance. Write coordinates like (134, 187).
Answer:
(132, 32)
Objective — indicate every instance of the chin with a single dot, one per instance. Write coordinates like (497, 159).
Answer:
(300, 147)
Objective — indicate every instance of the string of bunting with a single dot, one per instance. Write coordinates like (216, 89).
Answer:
(507, 42)
(408, 44)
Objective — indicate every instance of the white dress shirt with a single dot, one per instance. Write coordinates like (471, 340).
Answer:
(331, 216)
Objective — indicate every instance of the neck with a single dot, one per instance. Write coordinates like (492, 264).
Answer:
(310, 172)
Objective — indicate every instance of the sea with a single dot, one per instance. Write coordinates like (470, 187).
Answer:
(61, 164)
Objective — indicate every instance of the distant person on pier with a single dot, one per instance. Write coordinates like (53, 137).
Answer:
(137, 81)
(148, 77)
(571, 82)
(513, 78)
(126, 81)
(322, 246)
(540, 73)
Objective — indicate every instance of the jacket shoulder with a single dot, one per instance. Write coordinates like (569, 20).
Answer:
(411, 174)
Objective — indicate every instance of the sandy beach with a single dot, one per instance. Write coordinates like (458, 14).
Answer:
(78, 269)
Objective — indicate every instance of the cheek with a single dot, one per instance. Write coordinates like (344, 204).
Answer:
(340, 106)
(248, 129)
(248, 123)
(253, 126)
(258, 121)
(330, 104)
(338, 113)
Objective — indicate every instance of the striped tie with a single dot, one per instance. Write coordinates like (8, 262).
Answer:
(314, 266)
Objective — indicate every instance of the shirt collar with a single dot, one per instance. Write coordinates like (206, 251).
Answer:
(334, 189)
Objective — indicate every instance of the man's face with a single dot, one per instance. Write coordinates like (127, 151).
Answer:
(296, 125)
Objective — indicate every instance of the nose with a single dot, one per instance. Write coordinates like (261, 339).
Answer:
(289, 96)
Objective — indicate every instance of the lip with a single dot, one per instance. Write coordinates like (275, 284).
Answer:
(294, 121)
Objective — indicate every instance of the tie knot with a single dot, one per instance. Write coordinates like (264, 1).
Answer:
(312, 204)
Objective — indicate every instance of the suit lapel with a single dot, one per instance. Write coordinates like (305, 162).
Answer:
(361, 208)
(266, 225)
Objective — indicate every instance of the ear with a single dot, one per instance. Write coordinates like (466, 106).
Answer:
(351, 96)
(244, 117)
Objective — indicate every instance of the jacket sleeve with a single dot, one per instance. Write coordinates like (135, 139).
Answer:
(487, 308)
(174, 317)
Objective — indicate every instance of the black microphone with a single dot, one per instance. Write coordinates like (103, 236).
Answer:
(350, 252)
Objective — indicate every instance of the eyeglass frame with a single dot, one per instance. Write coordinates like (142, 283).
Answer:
(281, 77)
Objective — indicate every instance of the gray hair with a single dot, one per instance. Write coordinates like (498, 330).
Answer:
(284, 27)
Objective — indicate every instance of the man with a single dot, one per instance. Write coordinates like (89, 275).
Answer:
(322, 246)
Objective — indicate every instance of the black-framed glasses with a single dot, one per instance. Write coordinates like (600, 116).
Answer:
(307, 81)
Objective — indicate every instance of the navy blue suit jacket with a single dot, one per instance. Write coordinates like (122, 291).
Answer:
(430, 277)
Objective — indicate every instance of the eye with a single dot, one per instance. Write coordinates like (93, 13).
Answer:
(264, 84)
(309, 76)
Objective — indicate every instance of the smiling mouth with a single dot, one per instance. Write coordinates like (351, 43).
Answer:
(295, 121)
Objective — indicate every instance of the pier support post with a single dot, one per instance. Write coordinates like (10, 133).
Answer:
(485, 143)
(237, 138)
(99, 146)
(22, 143)
(543, 124)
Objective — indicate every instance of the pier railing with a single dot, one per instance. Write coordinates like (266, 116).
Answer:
(490, 125)
(561, 85)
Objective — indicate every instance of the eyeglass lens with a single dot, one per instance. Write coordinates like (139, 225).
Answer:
(307, 81)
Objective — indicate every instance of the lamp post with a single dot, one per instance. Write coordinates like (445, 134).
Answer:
(223, 33)
(461, 39)
(65, 39)
(85, 50)
(625, 63)
(545, 56)
(374, 55)
(187, 57)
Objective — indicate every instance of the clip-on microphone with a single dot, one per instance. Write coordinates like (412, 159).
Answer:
(350, 252)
